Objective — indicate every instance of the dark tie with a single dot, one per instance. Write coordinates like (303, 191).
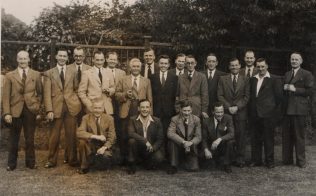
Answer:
(190, 76)
(98, 125)
(216, 128)
(23, 77)
(210, 75)
(113, 75)
(248, 73)
(163, 79)
(100, 74)
(292, 76)
(79, 74)
(62, 77)
(185, 122)
(134, 89)
(235, 82)
(149, 71)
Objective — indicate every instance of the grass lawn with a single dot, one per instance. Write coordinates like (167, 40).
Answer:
(63, 180)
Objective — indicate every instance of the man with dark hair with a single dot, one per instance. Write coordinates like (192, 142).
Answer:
(146, 138)
(22, 96)
(264, 104)
(193, 87)
(62, 106)
(298, 84)
(233, 92)
(149, 67)
(180, 65)
(250, 69)
(184, 135)
(218, 137)
(213, 76)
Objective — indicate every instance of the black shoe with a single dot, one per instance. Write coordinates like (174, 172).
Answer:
(172, 170)
(270, 165)
(227, 169)
(255, 164)
(49, 165)
(288, 163)
(10, 168)
(302, 165)
(32, 166)
(131, 169)
(83, 170)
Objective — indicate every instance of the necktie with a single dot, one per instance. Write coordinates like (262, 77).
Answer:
(134, 89)
(190, 76)
(23, 77)
(113, 74)
(62, 77)
(163, 79)
(79, 74)
(292, 76)
(149, 71)
(235, 82)
(180, 73)
(98, 125)
(248, 73)
(186, 122)
(210, 75)
(100, 74)
(216, 128)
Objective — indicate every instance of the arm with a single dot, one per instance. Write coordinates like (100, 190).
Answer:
(39, 87)
(6, 96)
(241, 103)
(198, 135)
(82, 132)
(83, 89)
(160, 136)
(120, 95)
(172, 134)
(308, 86)
(230, 130)
(204, 94)
(48, 93)
(221, 94)
(132, 133)
(205, 136)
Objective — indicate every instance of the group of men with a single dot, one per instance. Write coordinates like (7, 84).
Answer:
(154, 113)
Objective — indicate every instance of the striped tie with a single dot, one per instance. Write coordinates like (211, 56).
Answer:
(134, 89)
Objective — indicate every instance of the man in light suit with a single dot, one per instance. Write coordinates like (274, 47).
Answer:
(149, 67)
(97, 137)
(193, 87)
(96, 83)
(62, 105)
(111, 59)
(213, 76)
(22, 96)
(264, 104)
(218, 137)
(146, 139)
(129, 91)
(250, 69)
(233, 92)
(180, 65)
(298, 84)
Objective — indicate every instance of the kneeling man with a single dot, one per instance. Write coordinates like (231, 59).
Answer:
(218, 137)
(184, 135)
(96, 136)
(145, 138)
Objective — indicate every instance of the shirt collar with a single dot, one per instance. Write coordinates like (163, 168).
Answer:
(21, 70)
(141, 119)
(60, 67)
(151, 65)
(267, 75)
(137, 77)
(251, 68)
(232, 76)
(163, 72)
(97, 69)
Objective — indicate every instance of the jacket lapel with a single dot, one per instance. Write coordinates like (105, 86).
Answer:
(194, 80)
(29, 77)
(230, 82)
(93, 125)
(297, 75)
(264, 83)
(57, 77)
(181, 126)
(17, 76)
(68, 75)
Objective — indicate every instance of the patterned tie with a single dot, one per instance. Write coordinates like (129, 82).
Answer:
(79, 74)
(62, 77)
(248, 73)
(23, 77)
(97, 119)
(163, 79)
(100, 74)
(134, 89)
(235, 82)
(210, 75)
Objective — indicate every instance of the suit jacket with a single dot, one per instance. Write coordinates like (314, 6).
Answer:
(119, 74)
(298, 102)
(174, 71)
(55, 95)
(88, 128)
(84, 68)
(225, 130)
(267, 103)
(156, 69)
(144, 92)
(212, 87)
(195, 91)
(228, 97)
(155, 134)
(243, 71)
(176, 130)
(14, 95)
(164, 96)
(91, 87)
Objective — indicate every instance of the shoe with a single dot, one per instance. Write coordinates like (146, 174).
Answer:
(10, 168)
(255, 164)
(83, 170)
(131, 169)
(302, 165)
(172, 170)
(32, 166)
(49, 165)
(240, 165)
(270, 165)
(74, 164)
(227, 169)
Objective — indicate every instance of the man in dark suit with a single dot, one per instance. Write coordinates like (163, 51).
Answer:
(62, 105)
(265, 101)
(233, 92)
(218, 137)
(145, 138)
(213, 76)
(22, 96)
(250, 69)
(298, 84)
(184, 134)
(164, 86)
(193, 87)
(149, 67)
(180, 65)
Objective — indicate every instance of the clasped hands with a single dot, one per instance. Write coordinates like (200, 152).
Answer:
(102, 139)
(187, 145)
(289, 87)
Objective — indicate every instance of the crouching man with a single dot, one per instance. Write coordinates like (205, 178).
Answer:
(96, 136)
(218, 137)
(146, 139)
(184, 134)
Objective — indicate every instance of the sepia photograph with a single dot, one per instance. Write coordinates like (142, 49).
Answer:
(158, 97)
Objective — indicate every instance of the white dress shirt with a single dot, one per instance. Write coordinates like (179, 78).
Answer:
(152, 67)
(62, 67)
(260, 80)
(145, 124)
(20, 70)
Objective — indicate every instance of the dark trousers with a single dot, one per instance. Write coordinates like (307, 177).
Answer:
(240, 139)
(137, 151)
(293, 135)
(27, 121)
(70, 125)
(178, 155)
(262, 135)
(224, 152)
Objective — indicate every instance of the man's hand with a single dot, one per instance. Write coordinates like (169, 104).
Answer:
(187, 144)
(8, 118)
(149, 147)
(216, 143)
(106, 92)
(208, 154)
(233, 109)
(102, 150)
(205, 115)
(129, 94)
(50, 116)
(291, 88)
(98, 137)
(286, 87)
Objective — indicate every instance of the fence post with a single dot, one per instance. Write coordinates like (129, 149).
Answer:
(146, 41)
(52, 50)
